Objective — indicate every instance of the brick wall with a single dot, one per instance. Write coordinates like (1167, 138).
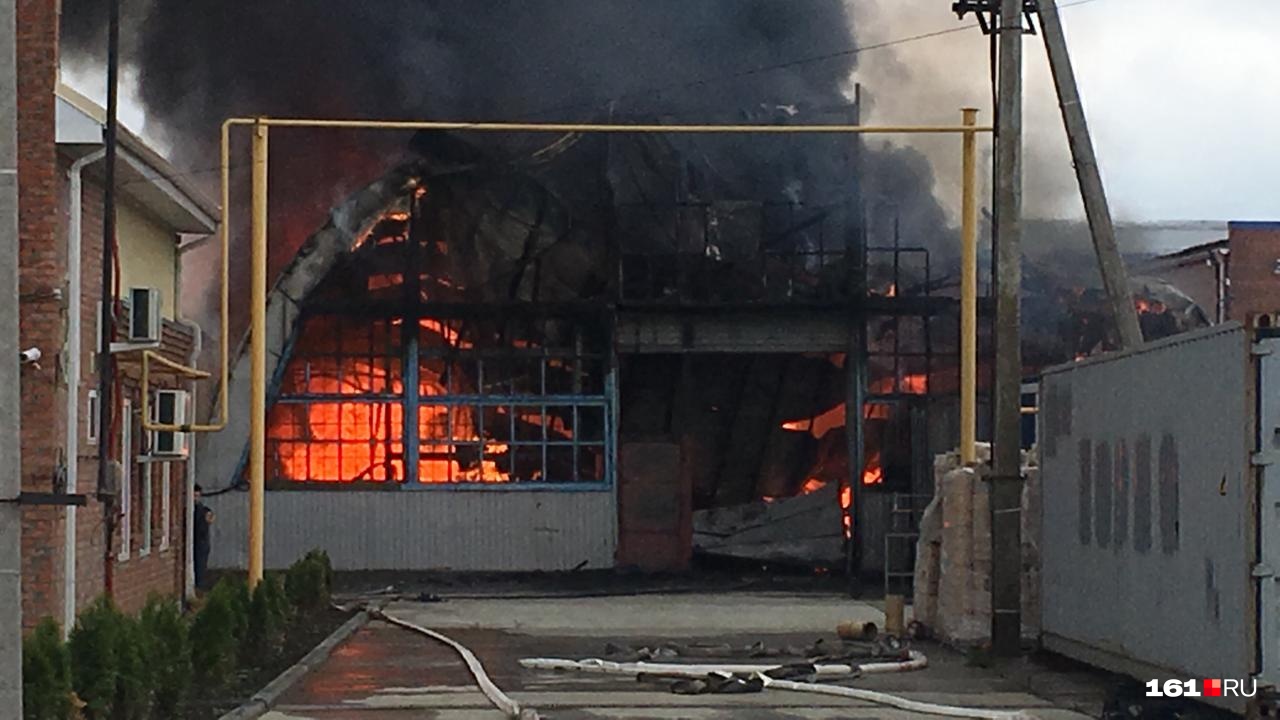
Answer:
(43, 221)
(42, 266)
(161, 570)
(1255, 269)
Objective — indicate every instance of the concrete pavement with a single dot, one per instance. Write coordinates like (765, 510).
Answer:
(387, 673)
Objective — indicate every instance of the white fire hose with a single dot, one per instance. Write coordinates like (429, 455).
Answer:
(895, 701)
(500, 700)
(915, 661)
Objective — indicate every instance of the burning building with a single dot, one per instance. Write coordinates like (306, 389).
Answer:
(545, 353)
(584, 351)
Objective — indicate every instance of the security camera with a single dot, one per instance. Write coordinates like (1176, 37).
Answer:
(30, 356)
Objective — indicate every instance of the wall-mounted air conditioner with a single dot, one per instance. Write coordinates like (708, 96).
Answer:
(144, 315)
(169, 408)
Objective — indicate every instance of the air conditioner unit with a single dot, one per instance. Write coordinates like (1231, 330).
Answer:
(170, 408)
(144, 315)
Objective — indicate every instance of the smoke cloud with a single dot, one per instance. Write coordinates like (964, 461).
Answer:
(200, 61)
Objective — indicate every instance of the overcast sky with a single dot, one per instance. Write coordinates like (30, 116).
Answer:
(1183, 97)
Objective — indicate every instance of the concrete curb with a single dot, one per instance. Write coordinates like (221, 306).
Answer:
(266, 698)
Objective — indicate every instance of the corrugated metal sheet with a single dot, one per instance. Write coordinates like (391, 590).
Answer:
(762, 331)
(471, 530)
(1147, 543)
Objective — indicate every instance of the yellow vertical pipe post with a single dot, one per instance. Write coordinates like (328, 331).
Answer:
(258, 357)
(969, 294)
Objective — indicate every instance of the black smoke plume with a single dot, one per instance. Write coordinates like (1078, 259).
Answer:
(200, 61)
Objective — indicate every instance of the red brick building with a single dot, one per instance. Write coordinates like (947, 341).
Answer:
(68, 557)
(1236, 278)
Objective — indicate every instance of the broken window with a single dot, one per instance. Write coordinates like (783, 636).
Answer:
(496, 401)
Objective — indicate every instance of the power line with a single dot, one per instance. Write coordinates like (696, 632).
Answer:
(700, 82)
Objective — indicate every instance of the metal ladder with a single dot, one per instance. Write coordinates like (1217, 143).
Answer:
(904, 528)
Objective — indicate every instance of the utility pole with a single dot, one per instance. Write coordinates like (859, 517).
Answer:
(1006, 480)
(10, 393)
(1114, 276)
(106, 362)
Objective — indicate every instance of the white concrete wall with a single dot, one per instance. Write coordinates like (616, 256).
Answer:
(437, 529)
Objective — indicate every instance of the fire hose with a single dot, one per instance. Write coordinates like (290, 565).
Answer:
(761, 673)
(915, 661)
(500, 700)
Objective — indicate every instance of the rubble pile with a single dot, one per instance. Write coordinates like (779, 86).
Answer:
(953, 554)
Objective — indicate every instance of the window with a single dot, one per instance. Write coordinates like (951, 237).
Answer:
(91, 419)
(126, 480)
(147, 505)
(497, 401)
(166, 495)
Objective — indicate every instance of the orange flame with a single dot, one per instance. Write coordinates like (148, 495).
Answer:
(813, 484)
(343, 441)
(873, 473)
(821, 424)
(846, 510)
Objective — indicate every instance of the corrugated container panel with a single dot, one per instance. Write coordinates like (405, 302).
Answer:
(480, 530)
(1148, 523)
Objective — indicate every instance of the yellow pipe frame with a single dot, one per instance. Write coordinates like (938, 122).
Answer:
(258, 299)
(969, 295)
(610, 128)
(224, 230)
(258, 357)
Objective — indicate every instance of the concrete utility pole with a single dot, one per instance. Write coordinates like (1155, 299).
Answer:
(1006, 481)
(10, 394)
(1114, 276)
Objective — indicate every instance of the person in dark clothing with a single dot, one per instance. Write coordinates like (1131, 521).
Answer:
(203, 518)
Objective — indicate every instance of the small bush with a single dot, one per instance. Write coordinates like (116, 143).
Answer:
(46, 674)
(307, 582)
(133, 678)
(264, 632)
(321, 558)
(94, 649)
(168, 654)
(214, 637)
(278, 600)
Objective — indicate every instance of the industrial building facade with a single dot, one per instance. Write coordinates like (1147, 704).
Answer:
(489, 361)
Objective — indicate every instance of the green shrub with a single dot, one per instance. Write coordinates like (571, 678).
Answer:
(277, 599)
(134, 677)
(168, 654)
(308, 581)
(214, 636)
(264, 632)
(95, 665)
(46, 674)
(321, 558)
